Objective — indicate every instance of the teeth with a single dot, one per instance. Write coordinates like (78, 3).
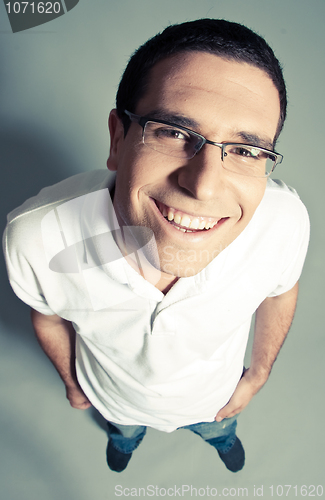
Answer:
(210, 225)
(185, 221)
(177, 218)
(194, 224)
(170, 214)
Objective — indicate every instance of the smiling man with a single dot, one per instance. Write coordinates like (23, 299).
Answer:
(186, 188)
(154, 294)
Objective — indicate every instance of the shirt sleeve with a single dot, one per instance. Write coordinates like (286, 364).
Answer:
(295, 253)
(22, 277)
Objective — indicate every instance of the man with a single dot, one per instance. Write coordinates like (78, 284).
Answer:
(161, 288)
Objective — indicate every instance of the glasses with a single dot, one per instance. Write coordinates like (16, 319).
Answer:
(181, 142)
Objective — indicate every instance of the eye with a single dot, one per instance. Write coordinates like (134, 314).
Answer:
(172, 134)
(246, 152)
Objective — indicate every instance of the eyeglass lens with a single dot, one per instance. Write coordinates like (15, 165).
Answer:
(176, 142)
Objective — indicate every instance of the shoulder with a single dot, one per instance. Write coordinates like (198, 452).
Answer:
(54, 195)
(277, 191)
(282, 225)
(22, 235)
(281, 205)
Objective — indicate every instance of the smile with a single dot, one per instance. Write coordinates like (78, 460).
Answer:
(185, 222)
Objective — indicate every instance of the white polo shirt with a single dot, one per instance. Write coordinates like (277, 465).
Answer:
(143, 357)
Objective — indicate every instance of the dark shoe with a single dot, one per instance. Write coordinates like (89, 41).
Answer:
(116, 460)
(234, 459)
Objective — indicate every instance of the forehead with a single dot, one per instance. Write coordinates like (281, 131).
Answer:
(213, 92)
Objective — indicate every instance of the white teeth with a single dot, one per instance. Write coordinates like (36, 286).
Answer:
(177, 219)
(186, 221)
(170, 215)
(210, 225)
(194, 224)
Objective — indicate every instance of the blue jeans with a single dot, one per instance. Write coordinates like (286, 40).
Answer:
(221, 435)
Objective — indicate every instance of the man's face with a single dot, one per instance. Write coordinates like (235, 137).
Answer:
(225, 101)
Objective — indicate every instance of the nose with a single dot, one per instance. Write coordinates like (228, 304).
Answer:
(204, 176)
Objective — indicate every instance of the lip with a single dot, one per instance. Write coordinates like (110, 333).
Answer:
(192, 235)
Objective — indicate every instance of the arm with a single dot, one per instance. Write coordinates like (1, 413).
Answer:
(273, 320)
(56, 336)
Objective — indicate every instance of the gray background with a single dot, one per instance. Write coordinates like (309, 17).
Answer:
(57, 85)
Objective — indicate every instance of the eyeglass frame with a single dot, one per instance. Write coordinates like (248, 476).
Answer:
(142, 121)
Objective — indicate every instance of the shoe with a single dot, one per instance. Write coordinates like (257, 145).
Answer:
(116, 460)
(234, 459)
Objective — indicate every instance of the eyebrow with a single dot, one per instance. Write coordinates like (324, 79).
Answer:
(184, 121)
(181, 120)
(256, 140)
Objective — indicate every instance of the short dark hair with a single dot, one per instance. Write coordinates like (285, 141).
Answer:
(226, 39)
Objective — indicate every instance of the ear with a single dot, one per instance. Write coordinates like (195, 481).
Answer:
(116, 132)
